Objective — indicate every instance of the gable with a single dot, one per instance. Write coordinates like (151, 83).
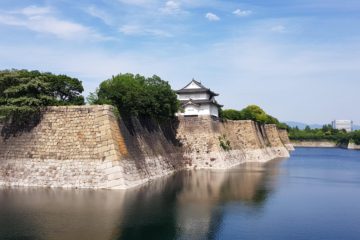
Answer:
(193, 85)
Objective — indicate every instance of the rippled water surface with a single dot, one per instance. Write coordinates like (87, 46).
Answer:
(313, 195)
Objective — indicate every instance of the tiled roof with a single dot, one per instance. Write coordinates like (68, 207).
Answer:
(202, 89)
(198, 102)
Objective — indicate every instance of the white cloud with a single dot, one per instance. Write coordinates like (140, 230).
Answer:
(137, 30)
(41, 20)
(278, 29)
(140, 3)
(171, 8)
(212, 17)
(100, 14)
(34, 10)
(242, 13)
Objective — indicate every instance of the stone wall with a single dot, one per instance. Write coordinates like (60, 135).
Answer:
(284, 136)
(248, 142)
(324, 144)
(90, 147)
(353, 146)
(86, 147)
(314, 144)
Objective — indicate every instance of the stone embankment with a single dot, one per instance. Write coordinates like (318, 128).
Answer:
(353, 146)
(324, 144)
(90, 147)
(314, 144)
(245, 141)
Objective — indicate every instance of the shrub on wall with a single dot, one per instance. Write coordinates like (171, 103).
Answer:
(224, 143)
(23, 93)
(136, 95)
(254, 113)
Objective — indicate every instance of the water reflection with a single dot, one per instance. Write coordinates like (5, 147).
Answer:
(186, 205)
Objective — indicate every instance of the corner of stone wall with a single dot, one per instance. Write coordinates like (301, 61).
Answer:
(284, 137)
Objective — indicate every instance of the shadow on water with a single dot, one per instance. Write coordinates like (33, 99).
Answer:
(187, 205)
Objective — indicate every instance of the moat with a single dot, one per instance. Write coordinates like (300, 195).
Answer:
(313, 195)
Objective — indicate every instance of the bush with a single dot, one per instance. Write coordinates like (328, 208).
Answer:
(254, 113)
(135, 95)
(224, 143)
(23, 93)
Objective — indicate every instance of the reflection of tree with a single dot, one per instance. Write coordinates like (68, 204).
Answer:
(210, 191)
(190, 204)
(187, 205)
(151, 210)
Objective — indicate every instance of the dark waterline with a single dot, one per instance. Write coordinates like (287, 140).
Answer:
(313, 195)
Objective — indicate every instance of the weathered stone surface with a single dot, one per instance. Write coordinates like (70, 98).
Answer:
(325, 144)
(249, 142)
(284, 137)
(89, 147)
(353, 146)
(314, 144)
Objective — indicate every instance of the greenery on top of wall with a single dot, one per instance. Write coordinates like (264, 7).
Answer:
(136, 95)
(254, 113)
(326, 133)
(23, 93)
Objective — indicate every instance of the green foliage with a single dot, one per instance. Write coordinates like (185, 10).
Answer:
(224, 143)
(254, 113)
(355, 137)
(93, 98)
(327, 133)
(23, 93)
(231, 114)
(135, 95)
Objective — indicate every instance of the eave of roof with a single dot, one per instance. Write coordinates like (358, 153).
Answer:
(197, 102)
(196, 90)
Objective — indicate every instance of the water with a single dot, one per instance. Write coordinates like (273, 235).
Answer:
(313, 195)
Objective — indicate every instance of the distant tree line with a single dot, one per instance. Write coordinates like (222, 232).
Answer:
(327, 132)
(254, 113)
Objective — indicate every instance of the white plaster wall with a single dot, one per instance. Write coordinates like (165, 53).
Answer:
(191, 110)
(204, 109)
(214, 111)
(194, 96)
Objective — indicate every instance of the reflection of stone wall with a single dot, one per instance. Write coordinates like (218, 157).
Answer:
(88, 147)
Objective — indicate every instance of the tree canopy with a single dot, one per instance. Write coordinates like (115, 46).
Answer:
(327, 133)
(251, 112)
(24, 92)
(136, 95)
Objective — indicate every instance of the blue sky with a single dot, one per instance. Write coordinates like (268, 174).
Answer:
(298, 59)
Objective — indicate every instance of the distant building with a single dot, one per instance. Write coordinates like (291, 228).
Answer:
(347, 125)
(197, 100)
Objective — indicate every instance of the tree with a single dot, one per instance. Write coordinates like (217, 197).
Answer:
(254, 113)
(231, 114)
(23, 93)
(135, 95)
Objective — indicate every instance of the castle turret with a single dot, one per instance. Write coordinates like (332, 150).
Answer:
(197, 100)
